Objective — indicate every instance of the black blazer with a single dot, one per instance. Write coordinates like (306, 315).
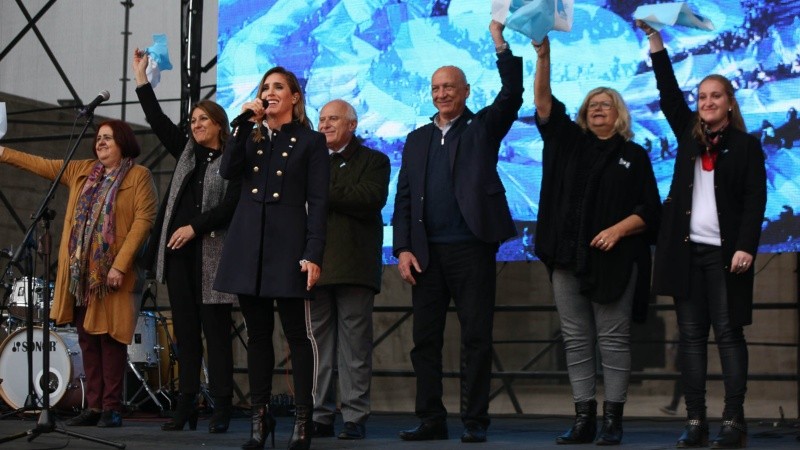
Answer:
(280, 218)
(473, 163)
(740, 180)
(174, 141)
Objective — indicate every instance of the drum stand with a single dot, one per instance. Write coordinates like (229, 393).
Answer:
(46, 421)
(144, 387)
(163, 389)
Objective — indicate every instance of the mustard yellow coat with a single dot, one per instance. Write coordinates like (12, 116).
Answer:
(134, 213)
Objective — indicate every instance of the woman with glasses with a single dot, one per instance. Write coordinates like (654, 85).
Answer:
(110, 209)
(708, 241)
(598, 212)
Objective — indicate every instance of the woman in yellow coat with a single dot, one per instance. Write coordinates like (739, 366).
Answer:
(111, 208)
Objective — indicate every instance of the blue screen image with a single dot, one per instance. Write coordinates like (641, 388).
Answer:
(379, 55)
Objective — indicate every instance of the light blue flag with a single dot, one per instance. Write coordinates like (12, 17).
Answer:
(534, 18)
(159, 59)
(669, 14)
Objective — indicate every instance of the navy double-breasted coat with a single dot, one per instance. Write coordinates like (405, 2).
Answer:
(280, 218)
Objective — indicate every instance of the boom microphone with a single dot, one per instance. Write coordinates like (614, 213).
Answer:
(89, 109)
(243, 117)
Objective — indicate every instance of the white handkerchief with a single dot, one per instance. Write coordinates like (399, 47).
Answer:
(534, 18)
(153, 73)
(3, 120)
(670, 14)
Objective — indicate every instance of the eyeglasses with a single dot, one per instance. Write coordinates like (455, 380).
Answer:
(601, 105)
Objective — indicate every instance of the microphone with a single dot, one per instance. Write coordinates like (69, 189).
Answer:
(243, 117)
(89, 109)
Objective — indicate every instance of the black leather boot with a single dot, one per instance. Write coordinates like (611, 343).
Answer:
(221, 418)
(611, 433)
(262, 424)
(584, 429)
(696, 432)
(301, 435)
(733, 433)
(185, 412)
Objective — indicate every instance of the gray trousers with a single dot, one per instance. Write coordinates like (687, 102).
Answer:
(341, 321)
(584, 325)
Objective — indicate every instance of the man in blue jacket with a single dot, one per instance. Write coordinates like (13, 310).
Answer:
(450, 216)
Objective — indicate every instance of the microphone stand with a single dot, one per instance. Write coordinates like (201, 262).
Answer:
(46, 421)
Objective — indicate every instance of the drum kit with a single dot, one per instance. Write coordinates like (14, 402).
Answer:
(65, 382)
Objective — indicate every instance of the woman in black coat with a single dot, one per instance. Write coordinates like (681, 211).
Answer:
(708, 241)
(598, 214)
(186, 244)
(275, 242)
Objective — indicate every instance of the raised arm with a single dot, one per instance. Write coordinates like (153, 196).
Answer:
(170, 135)
(501, 114)
(542, 95)
(653, 36)
(672, 102)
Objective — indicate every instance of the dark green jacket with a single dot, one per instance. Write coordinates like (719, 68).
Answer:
(358, 189)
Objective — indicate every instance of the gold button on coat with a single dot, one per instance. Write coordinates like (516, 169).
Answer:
(276, 195)
(254, 191)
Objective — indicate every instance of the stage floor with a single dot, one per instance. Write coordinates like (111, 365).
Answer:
(141, 431)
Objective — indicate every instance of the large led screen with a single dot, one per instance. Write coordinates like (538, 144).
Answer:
(379, 55)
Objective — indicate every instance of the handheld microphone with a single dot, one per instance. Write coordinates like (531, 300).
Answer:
(89, 109)
(243, 117)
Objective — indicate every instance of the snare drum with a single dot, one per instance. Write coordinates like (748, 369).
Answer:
(18, 300)
(65, 383)
(144, 347)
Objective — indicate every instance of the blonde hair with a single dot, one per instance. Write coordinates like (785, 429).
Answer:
(623, 123)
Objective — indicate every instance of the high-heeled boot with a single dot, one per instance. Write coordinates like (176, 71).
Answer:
(695, 434)
(221, 418)
(262, 424)
(611, 432)
(185, 412)
(585, 427)
(301, 435)
(733, 433)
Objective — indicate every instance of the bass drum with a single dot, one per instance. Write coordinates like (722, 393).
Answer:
(65, 382)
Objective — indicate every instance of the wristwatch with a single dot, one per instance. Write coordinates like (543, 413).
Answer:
(501, 48)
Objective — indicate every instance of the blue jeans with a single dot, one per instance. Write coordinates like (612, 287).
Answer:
(706, 307)
(584, 325)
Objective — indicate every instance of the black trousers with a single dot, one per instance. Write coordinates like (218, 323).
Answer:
(706, 307)
(190, 317)
(295, 319)
(465, 273)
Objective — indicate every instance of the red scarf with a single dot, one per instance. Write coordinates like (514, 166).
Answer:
(709, 157)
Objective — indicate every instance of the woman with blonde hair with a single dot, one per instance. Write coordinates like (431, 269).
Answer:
(598, 212)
